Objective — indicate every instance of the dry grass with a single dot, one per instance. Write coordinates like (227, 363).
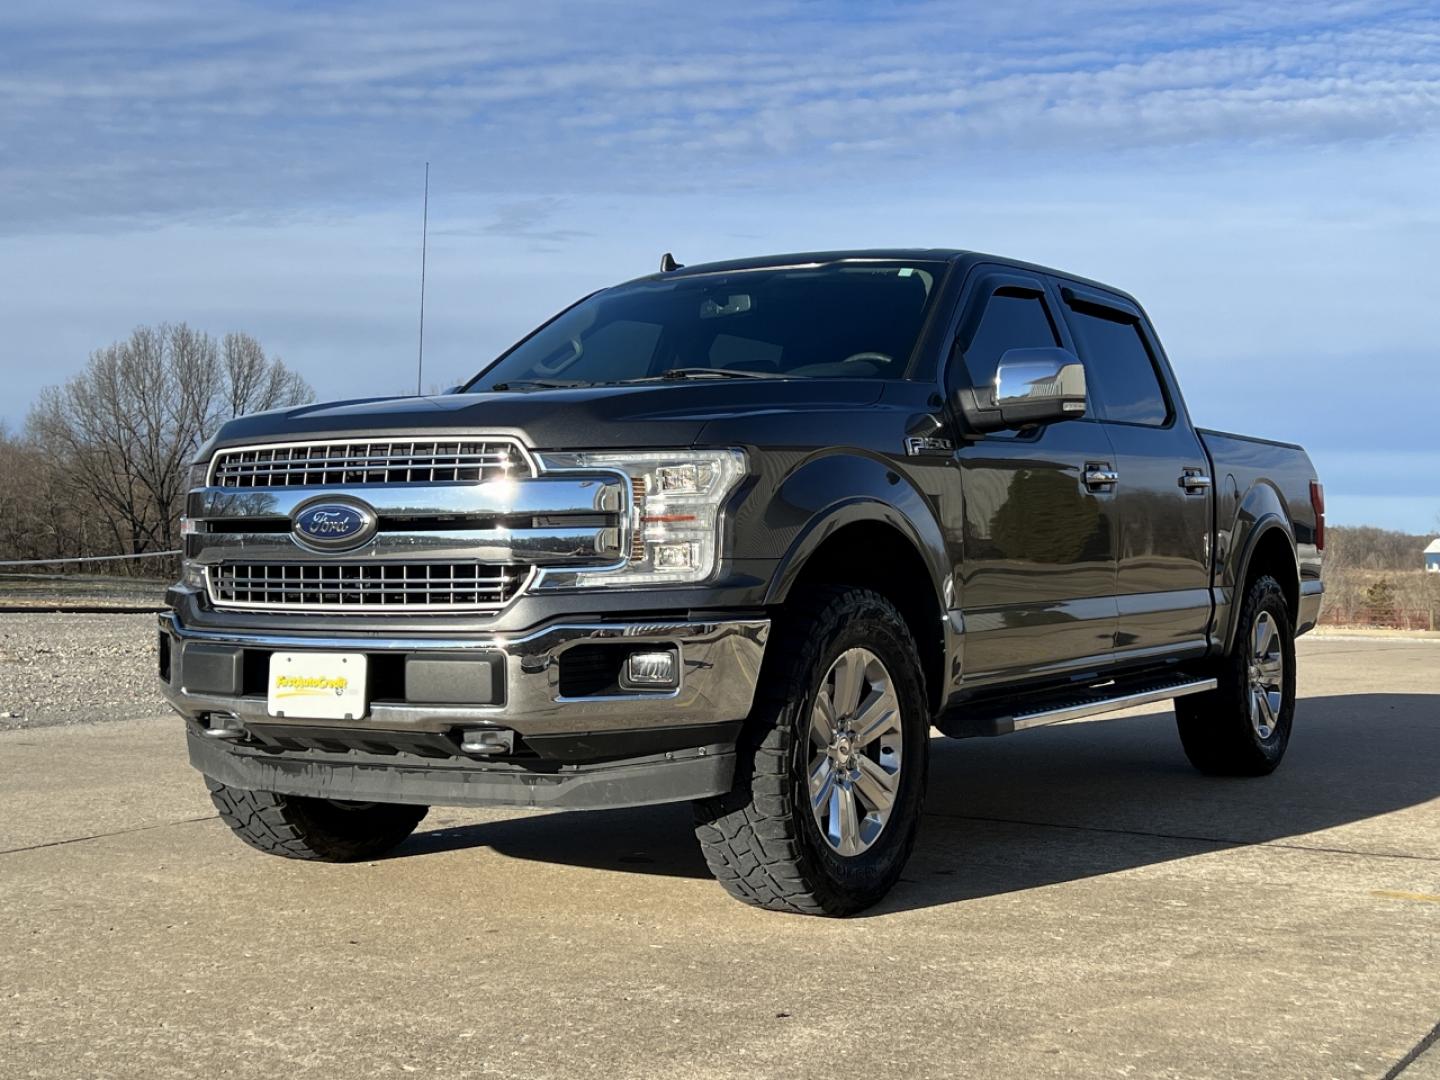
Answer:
(1404, 599)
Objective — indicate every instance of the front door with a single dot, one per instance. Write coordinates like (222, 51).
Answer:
(1037, 569)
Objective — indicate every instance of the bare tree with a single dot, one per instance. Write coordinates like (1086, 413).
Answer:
(117, 437)
(37, 520)
(255, 382)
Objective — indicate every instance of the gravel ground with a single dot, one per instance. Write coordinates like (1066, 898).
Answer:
(76, 669)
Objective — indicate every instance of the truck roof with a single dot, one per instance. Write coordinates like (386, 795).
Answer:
(958, 256)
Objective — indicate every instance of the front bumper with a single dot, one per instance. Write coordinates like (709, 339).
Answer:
(674, 776)
(605, 747)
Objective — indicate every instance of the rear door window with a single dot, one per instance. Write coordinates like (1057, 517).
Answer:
(1119, 363)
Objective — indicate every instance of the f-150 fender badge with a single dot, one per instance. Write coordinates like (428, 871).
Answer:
(332, 525)
(916, 445)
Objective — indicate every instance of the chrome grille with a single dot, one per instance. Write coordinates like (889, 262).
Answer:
(373, 586)
(394, 461)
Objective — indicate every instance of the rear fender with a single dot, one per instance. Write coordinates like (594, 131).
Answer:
(1261, 513)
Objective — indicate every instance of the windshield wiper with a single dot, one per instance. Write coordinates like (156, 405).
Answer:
(540, 384)
(714, 373)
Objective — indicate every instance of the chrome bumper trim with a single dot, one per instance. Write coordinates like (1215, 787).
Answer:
(587, 545)
(720, 665)
(493, 498)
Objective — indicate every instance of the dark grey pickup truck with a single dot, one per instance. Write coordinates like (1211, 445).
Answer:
(738, 534)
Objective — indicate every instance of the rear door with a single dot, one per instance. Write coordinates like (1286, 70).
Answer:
(1164, 491)
(1037, 568)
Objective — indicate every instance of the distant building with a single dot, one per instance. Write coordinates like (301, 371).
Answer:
(1432, 557)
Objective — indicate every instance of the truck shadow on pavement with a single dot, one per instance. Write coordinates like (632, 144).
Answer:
(1061, 804)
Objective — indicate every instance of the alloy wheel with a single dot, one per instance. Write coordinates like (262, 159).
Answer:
(1267, 675)
(855, 752)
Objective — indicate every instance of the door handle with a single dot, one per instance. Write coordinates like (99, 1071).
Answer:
(1099, 477)
(1194, 481)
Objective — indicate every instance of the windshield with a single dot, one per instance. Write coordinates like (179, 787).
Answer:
(843, 320)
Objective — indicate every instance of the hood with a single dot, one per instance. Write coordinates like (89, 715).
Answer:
(667, 414)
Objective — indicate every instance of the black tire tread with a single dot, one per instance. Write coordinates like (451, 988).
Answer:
(295, 827)
(749, 836)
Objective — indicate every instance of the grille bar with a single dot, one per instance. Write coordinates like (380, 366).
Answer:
(322, 586)
(395, 461)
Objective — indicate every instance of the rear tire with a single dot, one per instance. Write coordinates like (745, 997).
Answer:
(1242, 727)
(319, 830)
(840, 715)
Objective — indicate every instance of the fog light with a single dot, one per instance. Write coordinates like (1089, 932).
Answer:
(674, 556)
(652, 670)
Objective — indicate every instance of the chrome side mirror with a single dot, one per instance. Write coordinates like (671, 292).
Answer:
(1039, 386)
(1032, 386)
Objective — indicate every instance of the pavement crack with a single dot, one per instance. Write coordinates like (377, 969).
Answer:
(1414, 1054)
(103, 835)
(1218, 841)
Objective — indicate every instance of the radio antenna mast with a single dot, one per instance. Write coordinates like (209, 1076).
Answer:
(424, 241)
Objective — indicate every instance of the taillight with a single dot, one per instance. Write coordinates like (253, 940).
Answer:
(1317, 503)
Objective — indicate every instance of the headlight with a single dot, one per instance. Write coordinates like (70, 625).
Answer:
(191, 575)
(200, 468)
(674, 514)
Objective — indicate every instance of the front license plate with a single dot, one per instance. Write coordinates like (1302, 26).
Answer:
(317, 685)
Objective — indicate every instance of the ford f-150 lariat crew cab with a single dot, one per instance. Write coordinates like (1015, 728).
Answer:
(738, 534)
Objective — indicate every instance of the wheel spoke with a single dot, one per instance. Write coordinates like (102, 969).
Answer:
(875, 785)
(1268, 706)
(876, 716)
(832, 815)
(822, 719)
(1264, 631)
(822, 781)
(844, 820)
(849, 676)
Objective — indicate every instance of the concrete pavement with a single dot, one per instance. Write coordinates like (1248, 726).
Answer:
(1081, 903)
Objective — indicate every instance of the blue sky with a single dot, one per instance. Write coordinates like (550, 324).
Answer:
(1265, 177)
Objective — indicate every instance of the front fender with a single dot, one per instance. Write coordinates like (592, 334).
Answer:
(825, 494)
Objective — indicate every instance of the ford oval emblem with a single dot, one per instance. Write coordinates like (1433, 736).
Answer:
(333, 525)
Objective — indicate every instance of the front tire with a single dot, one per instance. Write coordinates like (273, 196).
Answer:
(318, 830)
(1242, 727)
(831, 767)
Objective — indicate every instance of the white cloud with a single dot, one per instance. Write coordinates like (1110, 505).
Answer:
(234, 107)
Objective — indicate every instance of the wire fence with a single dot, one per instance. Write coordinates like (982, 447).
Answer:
(91, 559)
(91, 582)
(1382, 618)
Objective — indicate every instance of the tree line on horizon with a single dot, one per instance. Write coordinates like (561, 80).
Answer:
(101, 466)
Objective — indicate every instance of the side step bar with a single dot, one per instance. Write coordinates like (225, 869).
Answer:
(1073, 705)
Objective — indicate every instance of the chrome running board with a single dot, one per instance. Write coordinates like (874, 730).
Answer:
(1002, 716)
(1088, 706)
